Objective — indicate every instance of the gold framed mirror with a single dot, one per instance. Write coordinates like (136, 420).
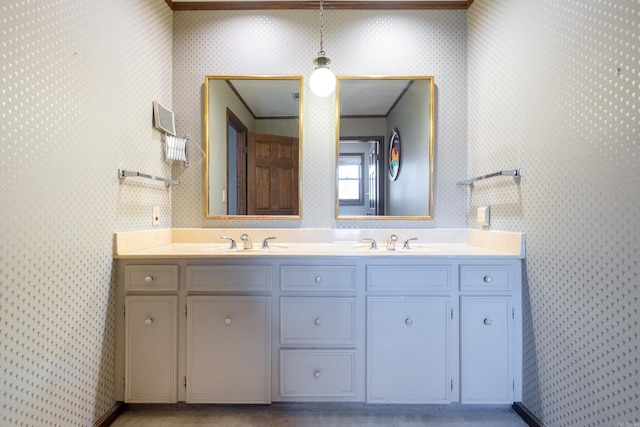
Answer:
(384, 147)
(253, 133)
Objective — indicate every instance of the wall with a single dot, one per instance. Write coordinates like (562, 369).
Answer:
(545, 96)
(77, 83)
(358, 42)
(413, 174)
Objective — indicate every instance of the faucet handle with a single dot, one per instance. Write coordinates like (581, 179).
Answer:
(406, 243)
(373, 242)
(233, 242)
(265, 242)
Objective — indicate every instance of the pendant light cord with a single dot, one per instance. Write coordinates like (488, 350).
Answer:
(322, 52)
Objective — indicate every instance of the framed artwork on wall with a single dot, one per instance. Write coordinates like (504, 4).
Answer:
(394, 154)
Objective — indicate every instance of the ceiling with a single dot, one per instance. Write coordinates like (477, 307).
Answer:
(310, 4)
(280, 98)
(268, 98)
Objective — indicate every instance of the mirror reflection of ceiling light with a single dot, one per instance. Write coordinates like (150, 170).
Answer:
(322, 80)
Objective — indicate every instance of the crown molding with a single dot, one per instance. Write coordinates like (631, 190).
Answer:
(312, 5)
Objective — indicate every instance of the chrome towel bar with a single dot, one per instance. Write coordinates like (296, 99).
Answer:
(512, 172)
(122, 174)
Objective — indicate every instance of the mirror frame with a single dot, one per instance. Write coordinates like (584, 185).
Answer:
(431, 101)
(207, 141)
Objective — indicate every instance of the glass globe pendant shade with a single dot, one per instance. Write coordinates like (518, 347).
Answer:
(322, 80)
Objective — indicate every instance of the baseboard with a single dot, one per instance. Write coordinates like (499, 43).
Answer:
(110, 416)
(527, 415)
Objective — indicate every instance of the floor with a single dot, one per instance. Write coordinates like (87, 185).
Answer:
(318, 415)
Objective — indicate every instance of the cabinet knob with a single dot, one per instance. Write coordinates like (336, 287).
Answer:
(316, 374)
(408, 321)
(318, 279)
(148, 321)
(148, 279)
(486, 279)
(487, 321)
(317, 322)
(227, 321)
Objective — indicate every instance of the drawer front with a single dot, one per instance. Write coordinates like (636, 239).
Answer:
(317, 373)
(318, 278)
(150, 278)
(229, 278)
(317, 321)
(409, 277)
(486, 277)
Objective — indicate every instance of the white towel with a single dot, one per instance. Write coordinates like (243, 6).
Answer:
(175, 148)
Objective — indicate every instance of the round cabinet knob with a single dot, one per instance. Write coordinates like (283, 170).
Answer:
(408, 321)
(316, 374)
(148, 279)
(148, 321)
(486, 279)
(487, 321)
(227, 321)
(318, 279)
(317, 322)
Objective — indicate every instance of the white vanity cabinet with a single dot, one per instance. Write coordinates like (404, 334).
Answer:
(151, 331)
(321, 333)
(228, 341)
(377, 328)
(409, 333)
(228, 334)
(407, 350)
(490, 340)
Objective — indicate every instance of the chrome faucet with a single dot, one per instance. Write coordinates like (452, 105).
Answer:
(265, 242)
(247, 241)
(233, 242)
(391, 244)
(373, 242)
(406, 243)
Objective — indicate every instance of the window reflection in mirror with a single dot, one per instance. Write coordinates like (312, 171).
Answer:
(351, 179)
(370, 109)
(253, 128)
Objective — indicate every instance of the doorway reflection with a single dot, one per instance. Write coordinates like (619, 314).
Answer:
(360, 177)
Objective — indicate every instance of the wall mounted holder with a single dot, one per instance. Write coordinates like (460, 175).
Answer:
(515, 173)
(122, 174)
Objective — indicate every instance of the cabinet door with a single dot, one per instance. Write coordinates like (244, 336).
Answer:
(485, 350)
(407, 340)
(150, 349)
(228, 349)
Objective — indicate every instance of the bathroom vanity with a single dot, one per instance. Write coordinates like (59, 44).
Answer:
(319, 318)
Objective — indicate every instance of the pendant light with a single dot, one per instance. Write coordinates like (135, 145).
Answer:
(322, 80)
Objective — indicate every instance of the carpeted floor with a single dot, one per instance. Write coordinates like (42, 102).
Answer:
(318, 415)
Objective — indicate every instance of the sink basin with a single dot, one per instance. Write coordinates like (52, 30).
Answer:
(417, 248)
(399, 250)
(214, 248)
(224, 249)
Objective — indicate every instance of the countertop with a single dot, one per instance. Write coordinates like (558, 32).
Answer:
(207, 243)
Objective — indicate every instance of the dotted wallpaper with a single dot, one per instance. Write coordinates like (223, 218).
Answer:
(266, 42)
(554, 89)
(77, 82)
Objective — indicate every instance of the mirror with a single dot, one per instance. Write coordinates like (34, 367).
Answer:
(384, 147)
(253, 127)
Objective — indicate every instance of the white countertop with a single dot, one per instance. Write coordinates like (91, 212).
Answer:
(207, 243)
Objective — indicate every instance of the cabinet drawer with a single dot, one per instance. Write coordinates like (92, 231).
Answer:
(317, 321)
(316, 373)
(408, 277)
(318, 278)
(486, 277)
(151, 278)
(233, 278)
